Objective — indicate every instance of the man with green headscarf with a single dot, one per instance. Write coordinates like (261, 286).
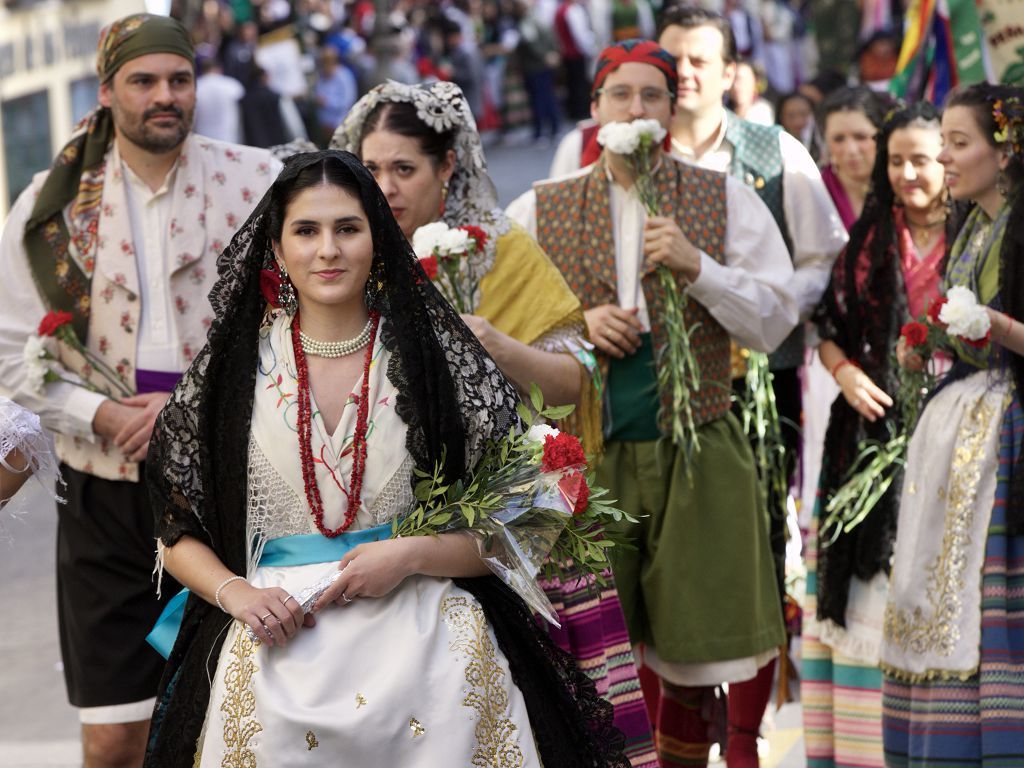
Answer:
(120, 236)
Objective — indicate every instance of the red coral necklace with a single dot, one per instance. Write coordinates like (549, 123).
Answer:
(316, 505)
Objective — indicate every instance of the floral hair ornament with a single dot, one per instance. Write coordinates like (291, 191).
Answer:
(1009, 116)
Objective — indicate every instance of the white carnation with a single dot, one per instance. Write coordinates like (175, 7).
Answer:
(649, 129)
(538, 433)
(963, 315)
(626, 138)
(35, 375)
(428, 237)
(454, 242)
(620, 138)
(34, 351)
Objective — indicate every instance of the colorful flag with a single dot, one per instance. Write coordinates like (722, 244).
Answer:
(943, 47)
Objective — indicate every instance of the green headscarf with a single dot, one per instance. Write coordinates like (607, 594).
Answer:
(77, 173)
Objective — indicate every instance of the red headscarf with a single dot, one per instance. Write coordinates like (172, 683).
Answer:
(614, 56)
(640, 52)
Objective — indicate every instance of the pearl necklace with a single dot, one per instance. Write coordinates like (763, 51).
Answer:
(333, 349)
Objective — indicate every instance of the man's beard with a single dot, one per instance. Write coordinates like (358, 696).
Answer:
(156, 142)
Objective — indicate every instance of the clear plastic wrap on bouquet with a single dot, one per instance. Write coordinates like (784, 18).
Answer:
(516, 541)
(529, 504)
(518, 515)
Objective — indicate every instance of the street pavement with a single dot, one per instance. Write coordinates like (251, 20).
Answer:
(38, 729)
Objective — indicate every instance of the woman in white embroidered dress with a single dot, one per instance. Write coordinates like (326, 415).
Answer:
(413, 658)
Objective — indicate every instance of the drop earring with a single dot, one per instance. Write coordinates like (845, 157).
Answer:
(444, 197)
(1001, 186)
(286, 297)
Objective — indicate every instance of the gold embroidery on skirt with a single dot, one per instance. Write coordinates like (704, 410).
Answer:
(239, 705)
(938, 631)
(311, 742)
(496, 745)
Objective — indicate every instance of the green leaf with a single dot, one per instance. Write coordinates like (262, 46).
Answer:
(524, 414)
(536, 397)
(558, 412)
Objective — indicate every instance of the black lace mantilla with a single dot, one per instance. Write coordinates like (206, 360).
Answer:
(453, 398)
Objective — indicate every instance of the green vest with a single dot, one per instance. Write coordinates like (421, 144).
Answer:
(757, 162)
(574, 228)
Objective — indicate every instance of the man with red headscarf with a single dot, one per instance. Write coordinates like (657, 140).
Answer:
(698, 592)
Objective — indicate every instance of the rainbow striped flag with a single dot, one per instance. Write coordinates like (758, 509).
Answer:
(943, 47)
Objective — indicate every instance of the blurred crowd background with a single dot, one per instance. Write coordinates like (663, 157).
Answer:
(272, 71)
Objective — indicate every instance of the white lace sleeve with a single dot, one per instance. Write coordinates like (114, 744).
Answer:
(21, 433)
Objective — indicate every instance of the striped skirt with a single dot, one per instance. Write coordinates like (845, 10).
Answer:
(978, 721)
(841, 697)
(594, 631)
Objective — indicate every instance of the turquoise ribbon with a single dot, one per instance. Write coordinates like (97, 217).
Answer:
(307, 549)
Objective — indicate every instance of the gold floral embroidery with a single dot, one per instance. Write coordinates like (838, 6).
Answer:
(416, 727)
(311, 742)
(937, 630)
(239, 705)
(360, 701)
(496, 745)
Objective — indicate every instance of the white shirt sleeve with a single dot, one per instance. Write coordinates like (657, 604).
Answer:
(816, 232)
(748, 294)
(61, 407)
(567, 155)
(523, 210)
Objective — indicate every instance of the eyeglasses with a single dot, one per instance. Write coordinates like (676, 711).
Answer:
(623, 95)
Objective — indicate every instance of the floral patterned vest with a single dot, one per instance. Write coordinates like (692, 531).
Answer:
(574, 228)
(216, 187)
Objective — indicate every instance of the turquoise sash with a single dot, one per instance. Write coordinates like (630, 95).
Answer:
(307, 549)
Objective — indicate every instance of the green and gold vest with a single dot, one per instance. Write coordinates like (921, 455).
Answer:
(757, 162)
(574, 228)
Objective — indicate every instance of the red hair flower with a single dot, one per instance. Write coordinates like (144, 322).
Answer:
(429, 264)
(53, 322)
(561, 451)
(915, 334)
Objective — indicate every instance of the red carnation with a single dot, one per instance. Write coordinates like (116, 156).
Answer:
(915, 334)
(978, 343)
(53, 322)
(576, 492)
(933, 312)
(429, 264)
(477, 235)
(561, 451)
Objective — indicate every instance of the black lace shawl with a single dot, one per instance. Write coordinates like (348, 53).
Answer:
(453, 398)
(865, 323)
(864, 320)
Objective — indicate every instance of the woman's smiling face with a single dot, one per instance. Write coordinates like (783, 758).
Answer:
(326, 246)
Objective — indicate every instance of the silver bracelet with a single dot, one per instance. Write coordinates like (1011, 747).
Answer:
(216, 595)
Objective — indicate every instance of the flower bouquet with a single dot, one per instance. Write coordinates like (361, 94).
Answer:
(56, 327)
(678, 370)
(529, 502)
(955, 317)
(447, 256)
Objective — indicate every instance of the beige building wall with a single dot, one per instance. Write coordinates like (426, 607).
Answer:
(46, 47)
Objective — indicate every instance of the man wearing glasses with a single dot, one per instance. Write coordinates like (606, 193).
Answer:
(698, 592)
